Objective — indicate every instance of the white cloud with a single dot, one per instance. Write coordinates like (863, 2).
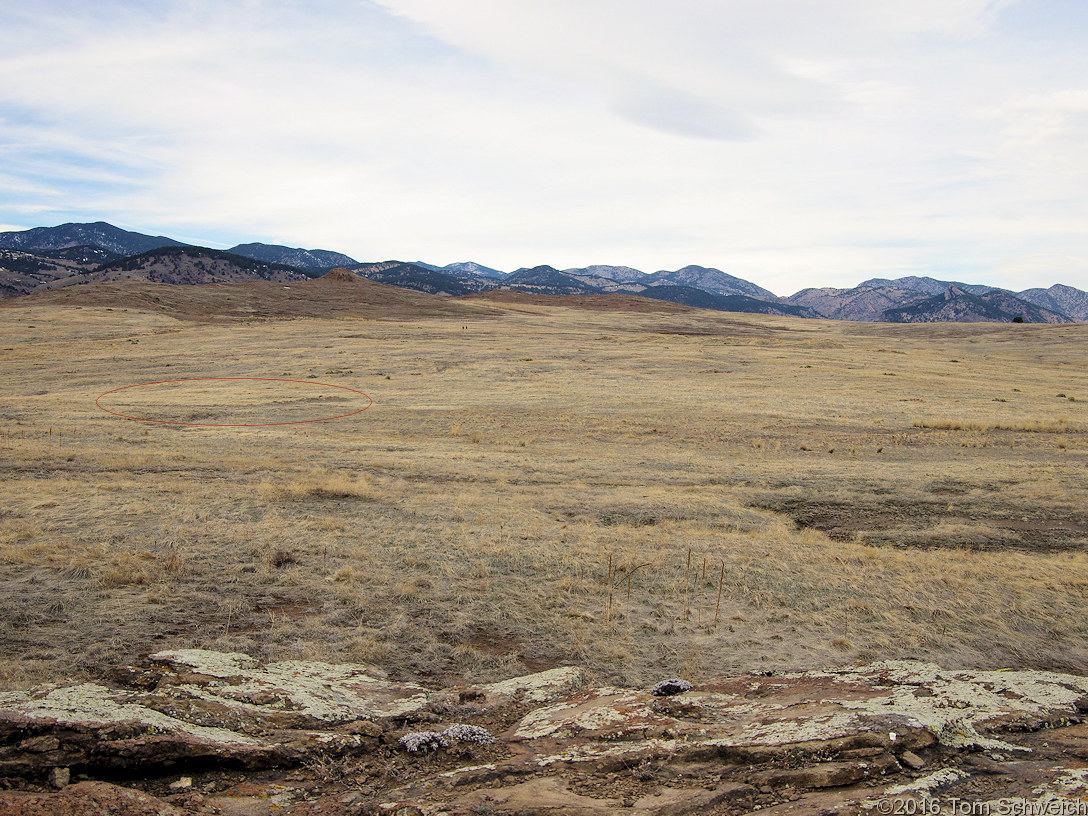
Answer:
(791, 142)
(675, 111)
(1026, 272)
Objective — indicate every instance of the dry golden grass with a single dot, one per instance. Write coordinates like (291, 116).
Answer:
(1030, 425)
(464, 526)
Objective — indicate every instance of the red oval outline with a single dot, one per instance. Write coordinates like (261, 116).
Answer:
(233, 425)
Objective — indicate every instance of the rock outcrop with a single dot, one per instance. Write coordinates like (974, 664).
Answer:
(305, 737)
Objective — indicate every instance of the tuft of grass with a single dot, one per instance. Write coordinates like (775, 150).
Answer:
(321, 486)
(281, 558)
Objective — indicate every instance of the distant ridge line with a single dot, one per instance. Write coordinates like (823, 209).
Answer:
(42, 258)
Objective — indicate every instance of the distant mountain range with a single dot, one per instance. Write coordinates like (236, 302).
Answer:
(927, 300)
(73, 254)
(956, 305)
(99, 234)
(465, 269)
(619, 274)
(22, 273)
(299, 258)
(1061, 299)
(422, 279)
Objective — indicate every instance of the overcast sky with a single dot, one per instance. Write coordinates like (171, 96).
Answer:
(793, 143)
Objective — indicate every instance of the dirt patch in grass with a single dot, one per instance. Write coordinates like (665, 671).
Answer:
(504, 645)
(934, 525)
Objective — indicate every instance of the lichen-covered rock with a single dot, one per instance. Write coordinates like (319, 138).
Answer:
(85, 799)
(319, 693)
(849, 734)
(196, 704)
(532, 688)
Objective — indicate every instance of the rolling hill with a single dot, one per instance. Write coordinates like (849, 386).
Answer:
(23, 272)
(184, 265)
(701, 299)
(608, 302)
(548, 280)
(337, 293)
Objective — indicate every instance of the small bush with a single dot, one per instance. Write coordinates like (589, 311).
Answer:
(468, 733)
(423, 742)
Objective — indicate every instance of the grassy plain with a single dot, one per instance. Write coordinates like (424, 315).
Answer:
(545, 486)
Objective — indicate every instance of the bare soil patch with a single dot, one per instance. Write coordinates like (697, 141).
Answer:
(922, 524)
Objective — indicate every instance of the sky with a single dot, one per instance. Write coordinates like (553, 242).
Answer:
(792, 143)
